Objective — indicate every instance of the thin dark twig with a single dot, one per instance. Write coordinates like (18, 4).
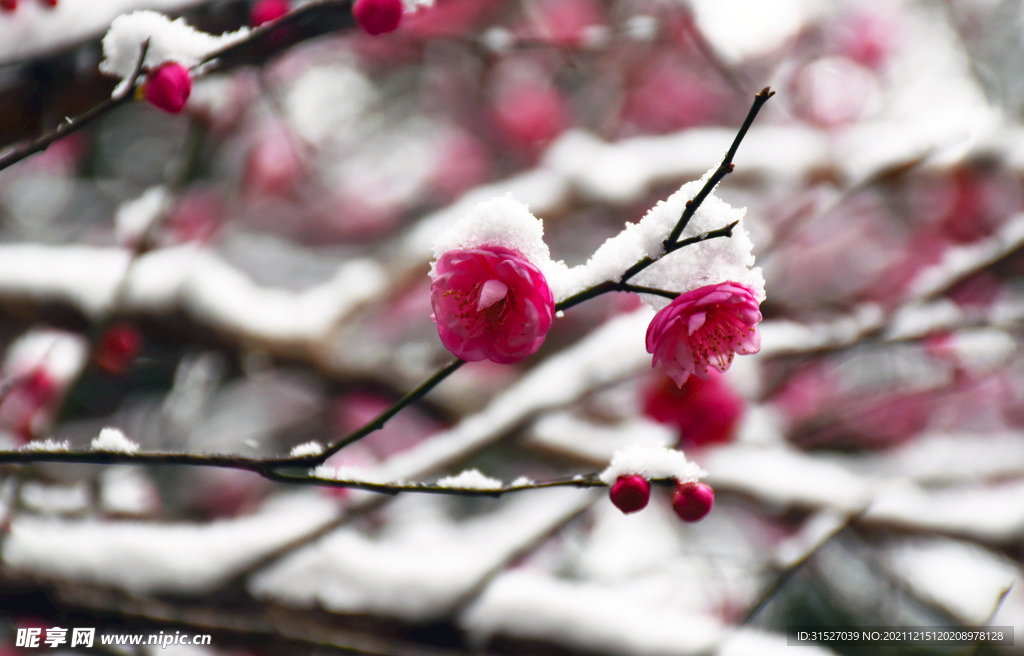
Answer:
(623, 286)
(72, 124)
(724, 169)
(383, 417)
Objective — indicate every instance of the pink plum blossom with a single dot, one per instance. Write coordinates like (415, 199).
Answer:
(705, 326)
(704, 411)
(491, 303)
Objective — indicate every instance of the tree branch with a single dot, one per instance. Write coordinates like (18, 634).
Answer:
(73, 124)
(724, 169)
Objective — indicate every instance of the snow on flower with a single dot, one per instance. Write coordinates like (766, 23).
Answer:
(471, 479)
(112, 439)
(501, 221)
(652, 463)
(705, 326)
(490, 303)
(169, 41)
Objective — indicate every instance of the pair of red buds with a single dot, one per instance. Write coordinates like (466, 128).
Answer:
(691, 501)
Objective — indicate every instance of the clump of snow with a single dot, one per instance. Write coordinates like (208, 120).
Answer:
(135, 217)
(471, 479)
(169, 41)
(653, 463)
(500, 221)
(312, 448)
(523, 481)
(706, 263)
(112, 439)
(347, 473)
(46, 445)
(504, 221)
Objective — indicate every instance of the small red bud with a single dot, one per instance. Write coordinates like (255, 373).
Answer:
(692, 501)
(50, 3)
(8, 5)
(265, 11)
(630, 493)
(118, 347)
(168, 87)
(378, 16)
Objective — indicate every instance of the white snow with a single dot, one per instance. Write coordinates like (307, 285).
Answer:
(312, 448)
(966, 579)
(112, 439)
(783, 476)
(503, 221)
(185, 277)
(421, 563)
(500, 221)
(128, 491)
(61, 354)
(135, 217)
(652, 463)
(471, 479)
(522, 481)
(349, 473)
(592, 616)
(993, 513)
(146, 557)
(46, 445)
(55, 499)
(561, 431)
(169, 41)
(35, 29)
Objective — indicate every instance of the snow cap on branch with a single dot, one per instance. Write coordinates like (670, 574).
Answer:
(652, 463)
(705, 263)
(169, 41)
(471, 479)
(112, 439)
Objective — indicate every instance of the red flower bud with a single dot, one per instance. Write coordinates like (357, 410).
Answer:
(118, 348)
(378, 16)
(630, 493)
(265, 11)
(50, 3)
(692, 501)
(8, 5)
(168, 87)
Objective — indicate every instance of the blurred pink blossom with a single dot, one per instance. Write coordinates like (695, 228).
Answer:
(704, 411)
(491, 303)
(705, 327)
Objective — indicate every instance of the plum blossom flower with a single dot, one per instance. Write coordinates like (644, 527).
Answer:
(705, 327)
(490, 303)
(706, 411)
